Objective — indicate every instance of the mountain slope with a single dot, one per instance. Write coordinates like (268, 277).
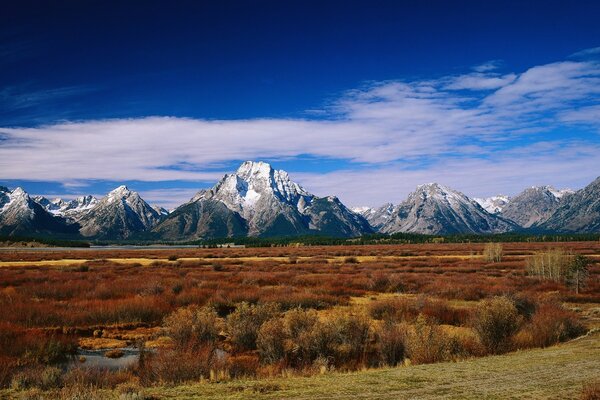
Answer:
(71, 210)
(21, 215)
(578, 212)
(494, 204)
(533, 206)
(119, 215)
(436, 209)
(376, 217)
(258, 200)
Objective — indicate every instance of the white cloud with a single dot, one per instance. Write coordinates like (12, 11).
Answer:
(571, 166)
(471, 138)
(480, 81)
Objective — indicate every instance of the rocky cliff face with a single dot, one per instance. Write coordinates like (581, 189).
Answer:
(258, 200)
(20, 215)
(436, 209)
(578, 212)
(119, 215)
(534, 205)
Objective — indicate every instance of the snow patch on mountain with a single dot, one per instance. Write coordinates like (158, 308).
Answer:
(493, 204)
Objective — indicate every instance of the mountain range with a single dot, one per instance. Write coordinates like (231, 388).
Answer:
(257, 200)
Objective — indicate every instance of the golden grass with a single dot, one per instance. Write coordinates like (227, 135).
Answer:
(149, 261)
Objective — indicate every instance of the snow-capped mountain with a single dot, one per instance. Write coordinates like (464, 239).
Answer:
(377, 217)
(577, 212)
(21, 215)
(534, 205)
(258, 200)
(161, 210)
(494, 204)
(437, 209)
(119, 215)
(72, 210)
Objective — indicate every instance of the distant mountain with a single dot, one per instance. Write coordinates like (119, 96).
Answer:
(119, 215)
(377, 217)
(578, 212)
(258, 200)
(437, 209)
(20, 215)
(494, 204)
(72, 210)
(160, 210)
(534, 205)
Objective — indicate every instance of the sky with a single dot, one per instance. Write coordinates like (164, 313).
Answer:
(359, 99)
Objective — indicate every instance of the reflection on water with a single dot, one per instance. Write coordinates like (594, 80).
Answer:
(97, 359)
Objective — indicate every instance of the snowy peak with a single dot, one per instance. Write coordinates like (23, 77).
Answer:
(494, 204)
(120, 214)
(70, 209)
(121, 192)
(262, 201)
(21, 215)
(535, 205)
(253, 186)
(434, 192)
(436, 209)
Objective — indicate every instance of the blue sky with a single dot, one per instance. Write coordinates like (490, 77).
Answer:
(364, 100)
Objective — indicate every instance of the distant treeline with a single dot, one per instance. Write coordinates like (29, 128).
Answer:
(45, 240)
(319, 240)
(396, 238)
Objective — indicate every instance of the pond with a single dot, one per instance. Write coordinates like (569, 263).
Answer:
(97, 359)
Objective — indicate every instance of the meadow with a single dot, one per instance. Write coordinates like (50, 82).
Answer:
(206, 319)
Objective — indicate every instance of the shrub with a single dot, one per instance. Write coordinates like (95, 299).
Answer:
(351, 260)
(344, 337)
(244, 323)
(177, 365)
(495, 321)
(42, 378)
(550, 324)
(270, 341)
(591, 391)
(193, 325)
(492, 252)
(426, 342)
(394, 309)
(390, 340)
(241, 366)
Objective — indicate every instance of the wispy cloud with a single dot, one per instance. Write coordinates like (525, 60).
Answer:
(475, 129)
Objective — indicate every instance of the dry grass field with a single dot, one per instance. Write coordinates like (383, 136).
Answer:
(378, 321)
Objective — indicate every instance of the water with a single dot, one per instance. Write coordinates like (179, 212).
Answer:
(96, 359)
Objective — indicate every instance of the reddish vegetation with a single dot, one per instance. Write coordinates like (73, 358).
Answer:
(72, 301)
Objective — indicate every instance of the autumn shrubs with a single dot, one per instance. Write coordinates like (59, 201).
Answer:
(492, 252)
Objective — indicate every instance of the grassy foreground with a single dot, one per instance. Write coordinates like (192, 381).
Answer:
(557, 372)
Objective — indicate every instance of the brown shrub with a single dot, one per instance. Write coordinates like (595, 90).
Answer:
(426, 342)
(591, 391)
(242, 366)
(177, 365)
(495, 321)
(244, 323)
(550, 324)
(193, 325)
(390, 343)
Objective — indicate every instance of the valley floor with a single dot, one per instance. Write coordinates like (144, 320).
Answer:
(558, 372)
